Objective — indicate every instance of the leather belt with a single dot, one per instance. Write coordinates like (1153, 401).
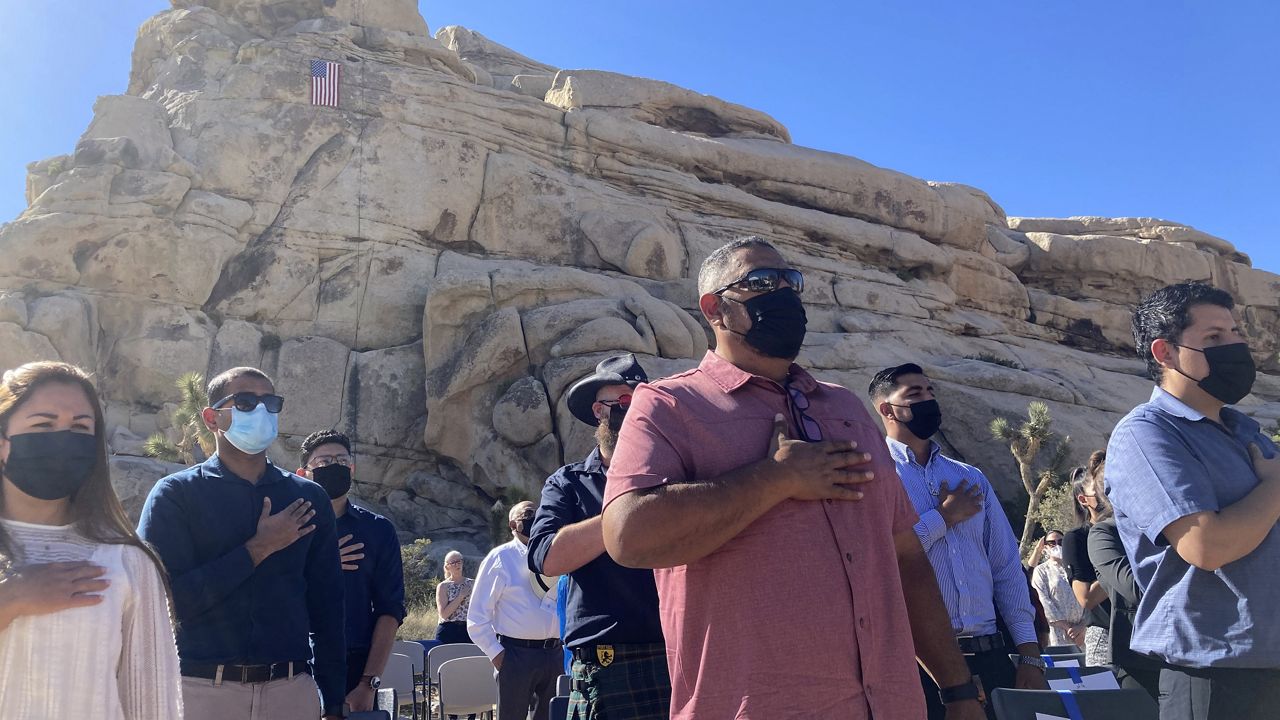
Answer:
(547, 644)
(246, 673)
(617, 651)
(971, 644)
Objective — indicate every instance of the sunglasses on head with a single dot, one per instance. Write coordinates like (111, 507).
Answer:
(247, 402)
(765, 280)
(623, 401)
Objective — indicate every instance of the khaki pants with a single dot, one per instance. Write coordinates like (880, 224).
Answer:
(284, 699)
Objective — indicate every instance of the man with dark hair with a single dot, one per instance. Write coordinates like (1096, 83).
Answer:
(748, 465)
(965, 534)
(1196, 490)
(257, 594)
(370, 557)
(611, 619)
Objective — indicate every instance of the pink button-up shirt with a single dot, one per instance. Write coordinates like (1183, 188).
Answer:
(802, 614)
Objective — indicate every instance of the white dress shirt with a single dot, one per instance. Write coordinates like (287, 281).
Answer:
(507, 600)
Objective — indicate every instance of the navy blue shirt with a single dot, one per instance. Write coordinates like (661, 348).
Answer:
(289, 608)
(376, 587)
(607, 603)
(1166, 461)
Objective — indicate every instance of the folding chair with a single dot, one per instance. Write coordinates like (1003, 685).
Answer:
(1087, 704)
(467, 686)
(559, 708)
(398, 676)
(1055, 660)
(439, 655)
(417, 654)
(564, 685)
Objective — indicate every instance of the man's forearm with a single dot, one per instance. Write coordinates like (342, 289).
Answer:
(574, 546)
(384, 638)
(1210, 540)
(678, 523)
(935, 642)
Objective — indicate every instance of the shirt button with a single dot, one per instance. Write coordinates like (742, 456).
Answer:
(862, 623)
(848, 556)
(829, 501)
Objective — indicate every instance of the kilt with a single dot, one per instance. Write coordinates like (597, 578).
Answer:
(633, 685)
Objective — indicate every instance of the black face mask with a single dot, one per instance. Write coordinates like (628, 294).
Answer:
(335, 479)
(617, 414)
(1231, 372)
(51, 465)
(926, 418)
(777, 323)
(522, 525)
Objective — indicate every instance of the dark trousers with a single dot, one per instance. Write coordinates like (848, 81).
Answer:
(452, 631)
(356, 658)
(527, 681)
(992, 667)
(1219, 694)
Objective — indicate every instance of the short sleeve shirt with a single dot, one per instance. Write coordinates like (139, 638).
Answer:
(802, 614)
(1166, 461)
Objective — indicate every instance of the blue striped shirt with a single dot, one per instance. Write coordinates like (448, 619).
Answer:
(976, 562)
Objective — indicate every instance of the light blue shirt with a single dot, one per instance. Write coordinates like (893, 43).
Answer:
(1166, 461)
(976, 562)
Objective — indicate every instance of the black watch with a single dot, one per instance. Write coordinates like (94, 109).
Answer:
(956, 693)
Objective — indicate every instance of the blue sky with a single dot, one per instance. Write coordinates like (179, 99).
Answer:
(1166, 109)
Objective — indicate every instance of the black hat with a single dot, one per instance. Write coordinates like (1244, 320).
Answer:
(617, 370)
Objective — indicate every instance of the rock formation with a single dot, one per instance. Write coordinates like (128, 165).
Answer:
(428, 266)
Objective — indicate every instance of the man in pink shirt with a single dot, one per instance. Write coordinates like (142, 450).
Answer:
(791, 581)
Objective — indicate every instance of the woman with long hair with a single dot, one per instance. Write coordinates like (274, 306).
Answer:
(453, 596)
(1091, 507)
(85, 629)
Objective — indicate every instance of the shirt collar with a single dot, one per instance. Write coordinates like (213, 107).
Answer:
(1164, 400)
(593, 463)
(214, 468)
(901, 453)
(730, 377)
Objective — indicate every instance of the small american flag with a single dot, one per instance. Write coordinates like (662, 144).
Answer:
(325, 77)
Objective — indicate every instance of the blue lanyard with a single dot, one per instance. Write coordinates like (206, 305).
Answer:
(1069, 702)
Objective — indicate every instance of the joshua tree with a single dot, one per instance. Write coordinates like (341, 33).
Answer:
(192, 434)
(1026, 441)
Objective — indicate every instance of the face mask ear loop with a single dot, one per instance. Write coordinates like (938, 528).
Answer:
(1194, 380)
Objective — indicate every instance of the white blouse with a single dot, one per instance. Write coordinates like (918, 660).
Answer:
(116, 660)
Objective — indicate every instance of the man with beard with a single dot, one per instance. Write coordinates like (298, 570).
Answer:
(372, 571)
(965, 534)
(611, 619)
(1196, 490)
(746, 472)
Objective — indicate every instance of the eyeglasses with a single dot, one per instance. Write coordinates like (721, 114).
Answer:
(320, 461)
(809, 428)
(454, 562)
(623, 401)
(248, 402)
(1052, 543)
(765, 280)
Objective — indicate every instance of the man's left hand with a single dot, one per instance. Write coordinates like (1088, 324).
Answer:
(361, 698)
(349, 554)
(1030, 678)
(966, 710)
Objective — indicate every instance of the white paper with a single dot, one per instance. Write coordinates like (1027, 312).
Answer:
(1094, 681)
(1066, 663)
(1047, 716)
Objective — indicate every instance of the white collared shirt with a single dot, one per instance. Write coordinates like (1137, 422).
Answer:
(507, 600)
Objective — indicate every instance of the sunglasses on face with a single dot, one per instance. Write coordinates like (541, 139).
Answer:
(764, 280)
(623, 401)
(1052, 543)
(247, 402)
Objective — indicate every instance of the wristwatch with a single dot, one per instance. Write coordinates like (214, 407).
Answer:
(1033, 661)
(375, 682)
(956, 693)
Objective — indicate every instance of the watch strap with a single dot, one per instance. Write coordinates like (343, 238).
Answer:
(956, 693)
(1033, 661)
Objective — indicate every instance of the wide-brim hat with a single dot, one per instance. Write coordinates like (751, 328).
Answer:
(621, 369)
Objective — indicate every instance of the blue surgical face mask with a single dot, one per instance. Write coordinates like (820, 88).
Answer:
(252, 432)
